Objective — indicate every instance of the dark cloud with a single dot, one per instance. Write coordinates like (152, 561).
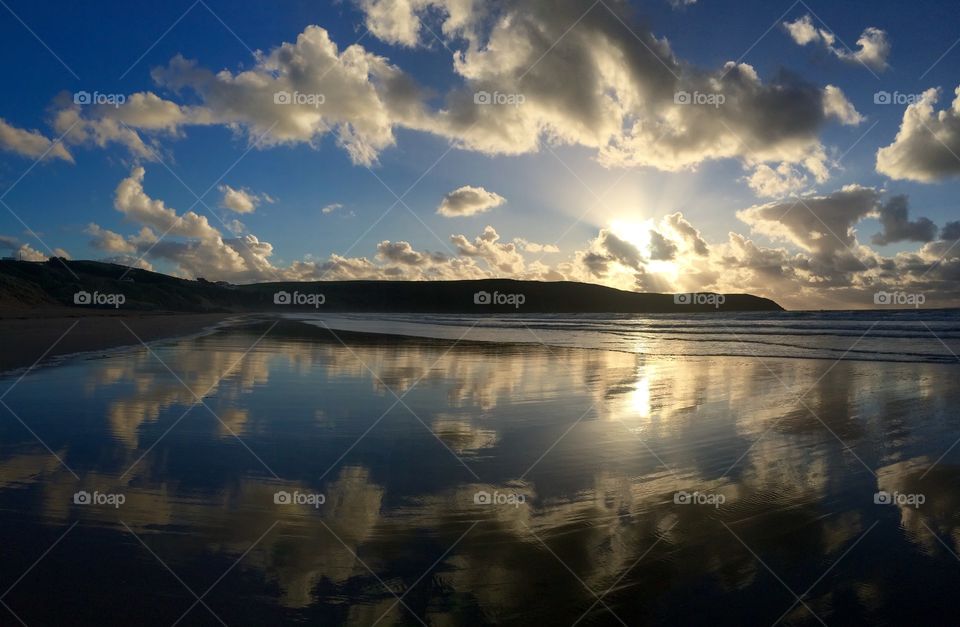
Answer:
(898, 228)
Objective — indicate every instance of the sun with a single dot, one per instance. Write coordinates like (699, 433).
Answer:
(637, 233)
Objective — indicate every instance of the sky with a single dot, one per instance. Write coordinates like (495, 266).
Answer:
(804, 151)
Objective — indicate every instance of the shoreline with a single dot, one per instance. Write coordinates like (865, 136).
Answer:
(41, 336)
(36, 337)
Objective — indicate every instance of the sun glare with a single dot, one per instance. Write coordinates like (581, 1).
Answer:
(637, 233)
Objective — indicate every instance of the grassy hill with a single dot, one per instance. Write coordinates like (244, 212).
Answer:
(25, 285)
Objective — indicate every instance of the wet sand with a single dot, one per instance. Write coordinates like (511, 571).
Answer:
(29, 335)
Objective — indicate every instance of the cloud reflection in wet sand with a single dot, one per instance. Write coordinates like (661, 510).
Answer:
(625, 433)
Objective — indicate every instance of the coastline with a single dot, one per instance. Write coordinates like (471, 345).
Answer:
(31, 336)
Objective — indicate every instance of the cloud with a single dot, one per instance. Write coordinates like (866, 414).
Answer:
(25, 252)
(398, 21)
(618, 98)
(300, 92)
(193, 247)
(927, 145)
(687, 234)
(468, 201)
(802, 30)
(108, 241)
(331, 208)
(403, 253)
(822, 225)
(661, 248)
(31, 144)
(873, 48)
(951, 231)
(240, 200)
(505, 258)
(534, 247)
(818, 261)
(836, 105)
(777, 183)
(188, 240)
(393, 21)
(898, 228)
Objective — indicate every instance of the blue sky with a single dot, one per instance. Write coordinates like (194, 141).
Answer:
(548, 189)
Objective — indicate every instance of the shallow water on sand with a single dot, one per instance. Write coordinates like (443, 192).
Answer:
(588, 457)
(920, 336)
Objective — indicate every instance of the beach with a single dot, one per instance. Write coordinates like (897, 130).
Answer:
(31, 335)
(348, 478)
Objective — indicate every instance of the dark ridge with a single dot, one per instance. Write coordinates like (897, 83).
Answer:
(55, 283)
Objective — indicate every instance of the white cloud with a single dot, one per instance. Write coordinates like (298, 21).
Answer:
(784, 180)
(25, 252)
(393, 21)
(821, 263)
(239, 200)
(468, 201)
(108, 241)
(331, 208)
(802, 30)
(836, 105)
(31, 144)
(300, 92)
(927, 146)
(534, 247)
(873, 48)
(399, 21)
(617, 98)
